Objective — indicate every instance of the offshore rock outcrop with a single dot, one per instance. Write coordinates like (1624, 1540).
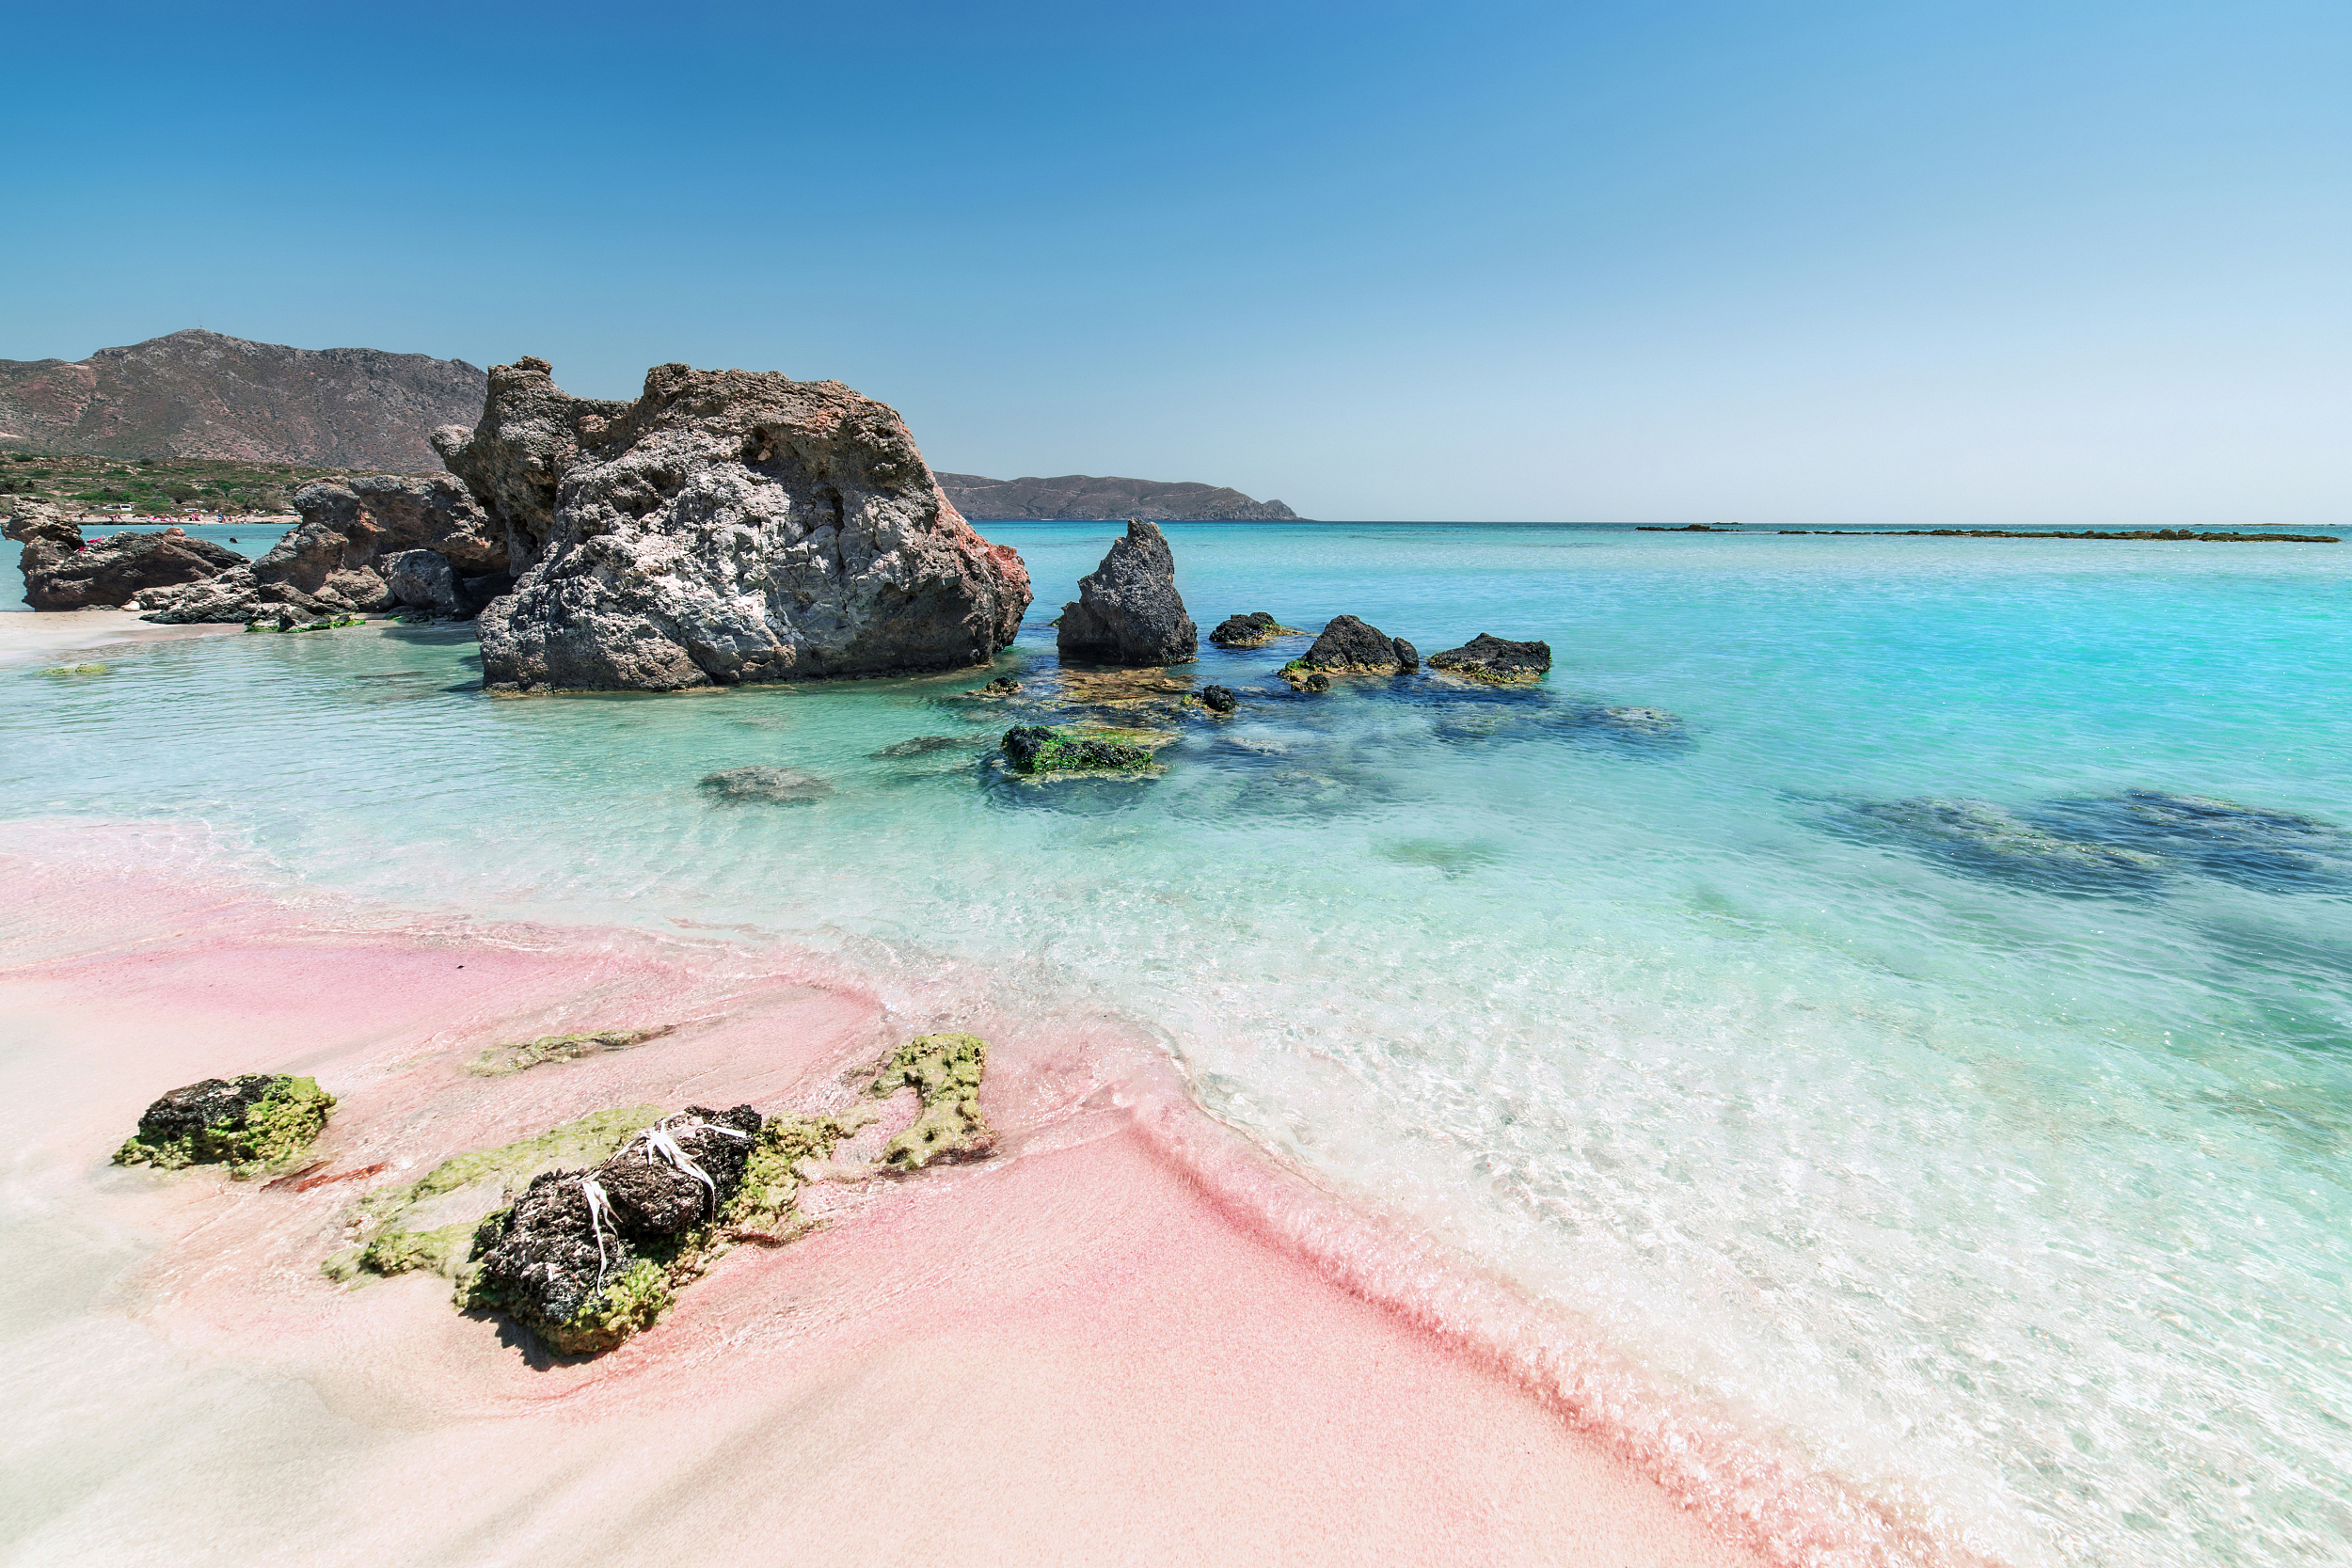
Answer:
(340, 559)
(1128, 610)
(1498, 659)
(727, 526)
(260, 1119)
(1253, 631)
(63, 573)
(1351, 646)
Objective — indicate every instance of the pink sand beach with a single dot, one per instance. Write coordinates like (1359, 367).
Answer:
(1126, 1337)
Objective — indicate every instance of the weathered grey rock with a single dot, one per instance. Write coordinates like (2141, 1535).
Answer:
(733, 526)
(1353, 645)
(1128, 610)
(424, 580)
(530, 436)
(61, 572)
(1495, 659)
(335, 563)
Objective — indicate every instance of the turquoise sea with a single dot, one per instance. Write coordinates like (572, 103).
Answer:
(1853, 983)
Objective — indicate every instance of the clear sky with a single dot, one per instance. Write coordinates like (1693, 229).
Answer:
(2084, 263)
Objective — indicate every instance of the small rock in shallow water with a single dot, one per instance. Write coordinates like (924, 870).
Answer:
(1253, 630)
(769, 786)
(1351, 646)
(1035, 749)
(924, 745)
(1495, 659)
(1219, 699)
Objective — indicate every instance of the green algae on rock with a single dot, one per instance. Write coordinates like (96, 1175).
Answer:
(1035, 749)
(501, 1060)
(385, 1243)
(77, 670)
(248, 1124)
(945, 1071)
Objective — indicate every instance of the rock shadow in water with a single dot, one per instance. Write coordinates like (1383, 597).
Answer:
(2272, 852)
(1980, 839)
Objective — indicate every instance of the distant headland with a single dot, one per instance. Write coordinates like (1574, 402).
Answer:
(1082, 498)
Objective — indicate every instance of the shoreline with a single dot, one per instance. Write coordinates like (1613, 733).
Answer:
(36, 636)
(1127, 1333)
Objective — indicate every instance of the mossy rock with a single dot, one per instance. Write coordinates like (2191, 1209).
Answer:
(77, 670)
(1035, 749)
(945, 1071)
(250, 1124)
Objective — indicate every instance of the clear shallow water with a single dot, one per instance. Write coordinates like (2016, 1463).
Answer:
(2005, 1178)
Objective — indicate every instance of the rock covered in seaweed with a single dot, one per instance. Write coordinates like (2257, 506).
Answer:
(246, 1123)
(1486, 657)
(583, 1258)
(1037, 749)
(1219, 699)
(727, 526)
(1128, 610)
(61, 572)
(1253, 631)
(1352, 646)
(945, 1071)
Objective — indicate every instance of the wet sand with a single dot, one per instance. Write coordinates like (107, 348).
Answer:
(1078, 1350)
(37, 636)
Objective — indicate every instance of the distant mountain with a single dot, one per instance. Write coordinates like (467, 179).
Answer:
(199, 394)
(1081, 497)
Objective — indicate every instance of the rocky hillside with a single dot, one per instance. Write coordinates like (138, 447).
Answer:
(1081, 497)
(198, 394)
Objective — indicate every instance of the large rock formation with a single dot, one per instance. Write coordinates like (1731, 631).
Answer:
(728, 526)
(1128, 610)
(339, 560)
(200, 394)
(1084, 497)
(529, 437)
(63, 573)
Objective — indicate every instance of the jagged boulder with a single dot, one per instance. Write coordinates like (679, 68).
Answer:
(531, 434)
(1356, 647)
(337, 561)
(62, 572)
(1128, 610)
(728, 526)
(425, 579)
(1219, 699)
(1495, 659)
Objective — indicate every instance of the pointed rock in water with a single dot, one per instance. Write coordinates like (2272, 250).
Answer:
(1495, 659)
(1352, 646)
(728, 526)
(1253, 630)
(1128, 610)
(63, 573)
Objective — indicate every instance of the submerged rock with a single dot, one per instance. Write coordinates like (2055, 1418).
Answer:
(1351, 646)
(945, 1071)
(1128, 610)
(61, 572)
(1219, 699)
(1484, 657)
(769, 786)
(728, 526)
(1253, 630)
(2276, 852)
(1980, 838)
(1035, 749)
(924, 745)
(245, 1123)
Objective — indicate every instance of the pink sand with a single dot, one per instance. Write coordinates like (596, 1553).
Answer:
(1095, 1347)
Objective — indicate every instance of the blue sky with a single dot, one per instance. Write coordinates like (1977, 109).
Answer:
(1935, 262)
